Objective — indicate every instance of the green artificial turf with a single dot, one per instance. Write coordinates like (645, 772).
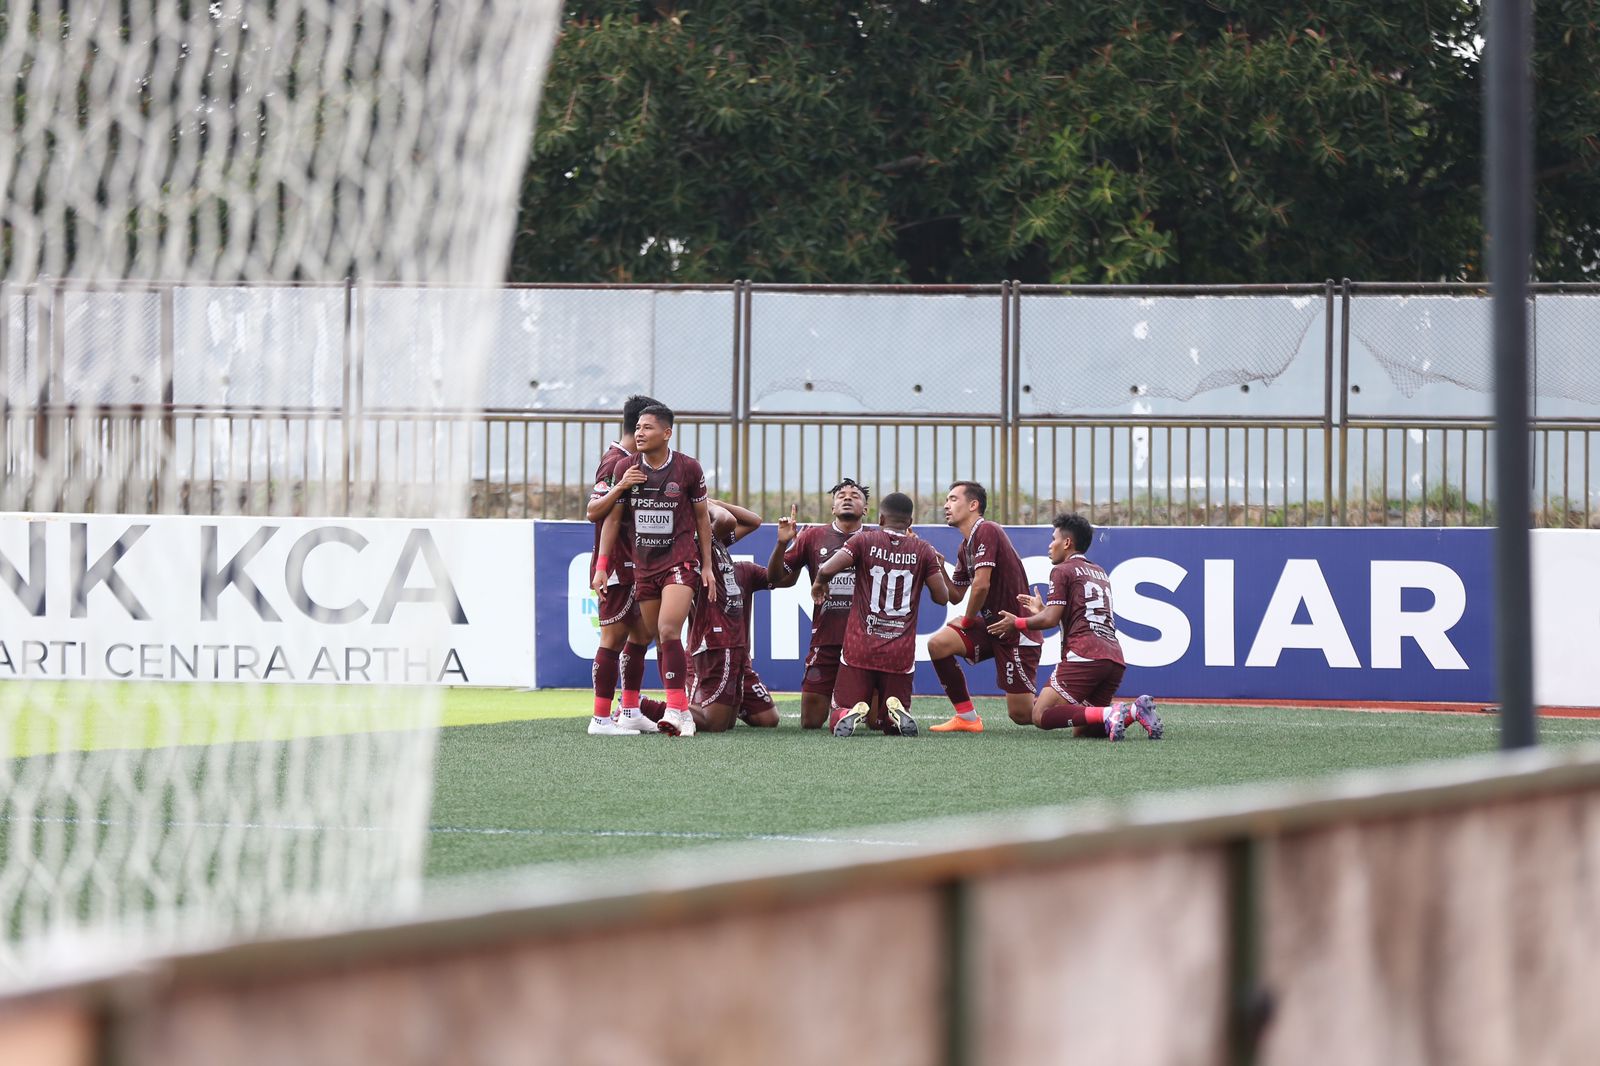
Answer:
(517, 780)
(535, 791)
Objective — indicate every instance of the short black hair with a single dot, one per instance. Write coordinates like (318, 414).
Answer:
(1078, 528)
(898, 505)
(866, 493)
(658, 411)
(974, 491)
(633, 408)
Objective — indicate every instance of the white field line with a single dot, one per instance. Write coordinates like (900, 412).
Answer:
(795, 838)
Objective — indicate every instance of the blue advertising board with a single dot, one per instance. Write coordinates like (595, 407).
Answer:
(1329, 614)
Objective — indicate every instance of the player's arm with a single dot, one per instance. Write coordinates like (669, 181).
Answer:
(837, 563)
(938, 584)
(957, 587)
(600, 506)
(779, 575)
(608, 541)
(702, 525)
(976, 594)
(745, 520)
(1035, 615)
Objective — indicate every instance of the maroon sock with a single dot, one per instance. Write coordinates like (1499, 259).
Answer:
(1064, 714)
(954, 682)
(605, 680)
(651, 709)
(633, 666)
(670, 661)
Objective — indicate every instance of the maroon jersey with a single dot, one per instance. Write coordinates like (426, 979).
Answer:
(891, 568)
(661, 513)
(724, 622)
(989, 546)
(1088, 630)
(612, 464)
(810, 549)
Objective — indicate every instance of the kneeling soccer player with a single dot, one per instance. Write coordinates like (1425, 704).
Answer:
(892, 566)
(1080, 693)
(726, 687)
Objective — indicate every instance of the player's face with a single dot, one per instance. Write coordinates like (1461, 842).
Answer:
(848, 502)
(956, 506)
(1060, 546)
(651, 434)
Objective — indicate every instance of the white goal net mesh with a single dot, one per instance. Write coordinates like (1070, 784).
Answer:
(162, 161)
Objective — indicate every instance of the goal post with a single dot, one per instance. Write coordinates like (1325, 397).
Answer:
(161, 160)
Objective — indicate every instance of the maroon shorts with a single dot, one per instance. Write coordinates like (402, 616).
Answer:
(724, 676)
(616, 604)
(1089, 684)
(822, 668)
(649, 586)
(1015, 665)
(856, 685)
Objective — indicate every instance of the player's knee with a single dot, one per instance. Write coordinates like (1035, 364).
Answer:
(763, 720)
(1021, 715)
(714, 719)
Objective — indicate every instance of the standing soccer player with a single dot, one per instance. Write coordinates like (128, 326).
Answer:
(1080, 693)
(623, 638)
(892, 565)
(989, 577)
(726, 686)
(800, 549)
(671, 551)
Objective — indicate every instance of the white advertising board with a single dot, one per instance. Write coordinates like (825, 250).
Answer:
(1566, 617)
(318, 600)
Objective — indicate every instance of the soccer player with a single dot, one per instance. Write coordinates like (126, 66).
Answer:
(989, 576)
(892, 565)
(726, 687)
(799, 549)
(671, 526)
(623, 639)
(1081, 689)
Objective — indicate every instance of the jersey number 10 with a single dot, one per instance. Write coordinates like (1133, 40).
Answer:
(891, 592)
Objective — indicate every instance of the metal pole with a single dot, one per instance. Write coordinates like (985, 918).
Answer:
(1508, 120)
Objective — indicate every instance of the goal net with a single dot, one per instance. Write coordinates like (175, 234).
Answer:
(194, 199)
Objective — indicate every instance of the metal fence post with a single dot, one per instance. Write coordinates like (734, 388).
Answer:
(735, 403)
(1344, 408)
(1328, 516)
(164, 493)
(5, 388)
(1007, 487)
(746, 365)
(350, 400)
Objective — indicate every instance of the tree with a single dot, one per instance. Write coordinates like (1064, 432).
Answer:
(1088, 142)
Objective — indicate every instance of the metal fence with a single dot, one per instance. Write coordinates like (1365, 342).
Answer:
(1338, 403)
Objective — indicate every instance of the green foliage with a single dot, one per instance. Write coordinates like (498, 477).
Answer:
(926, 140)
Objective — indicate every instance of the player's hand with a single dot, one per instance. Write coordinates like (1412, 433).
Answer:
(1033, 604)
(632, 476)
(709, 580)
(819, 592)
(1006, 625)
(789, 525)
(940, 556)
(598, 582)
